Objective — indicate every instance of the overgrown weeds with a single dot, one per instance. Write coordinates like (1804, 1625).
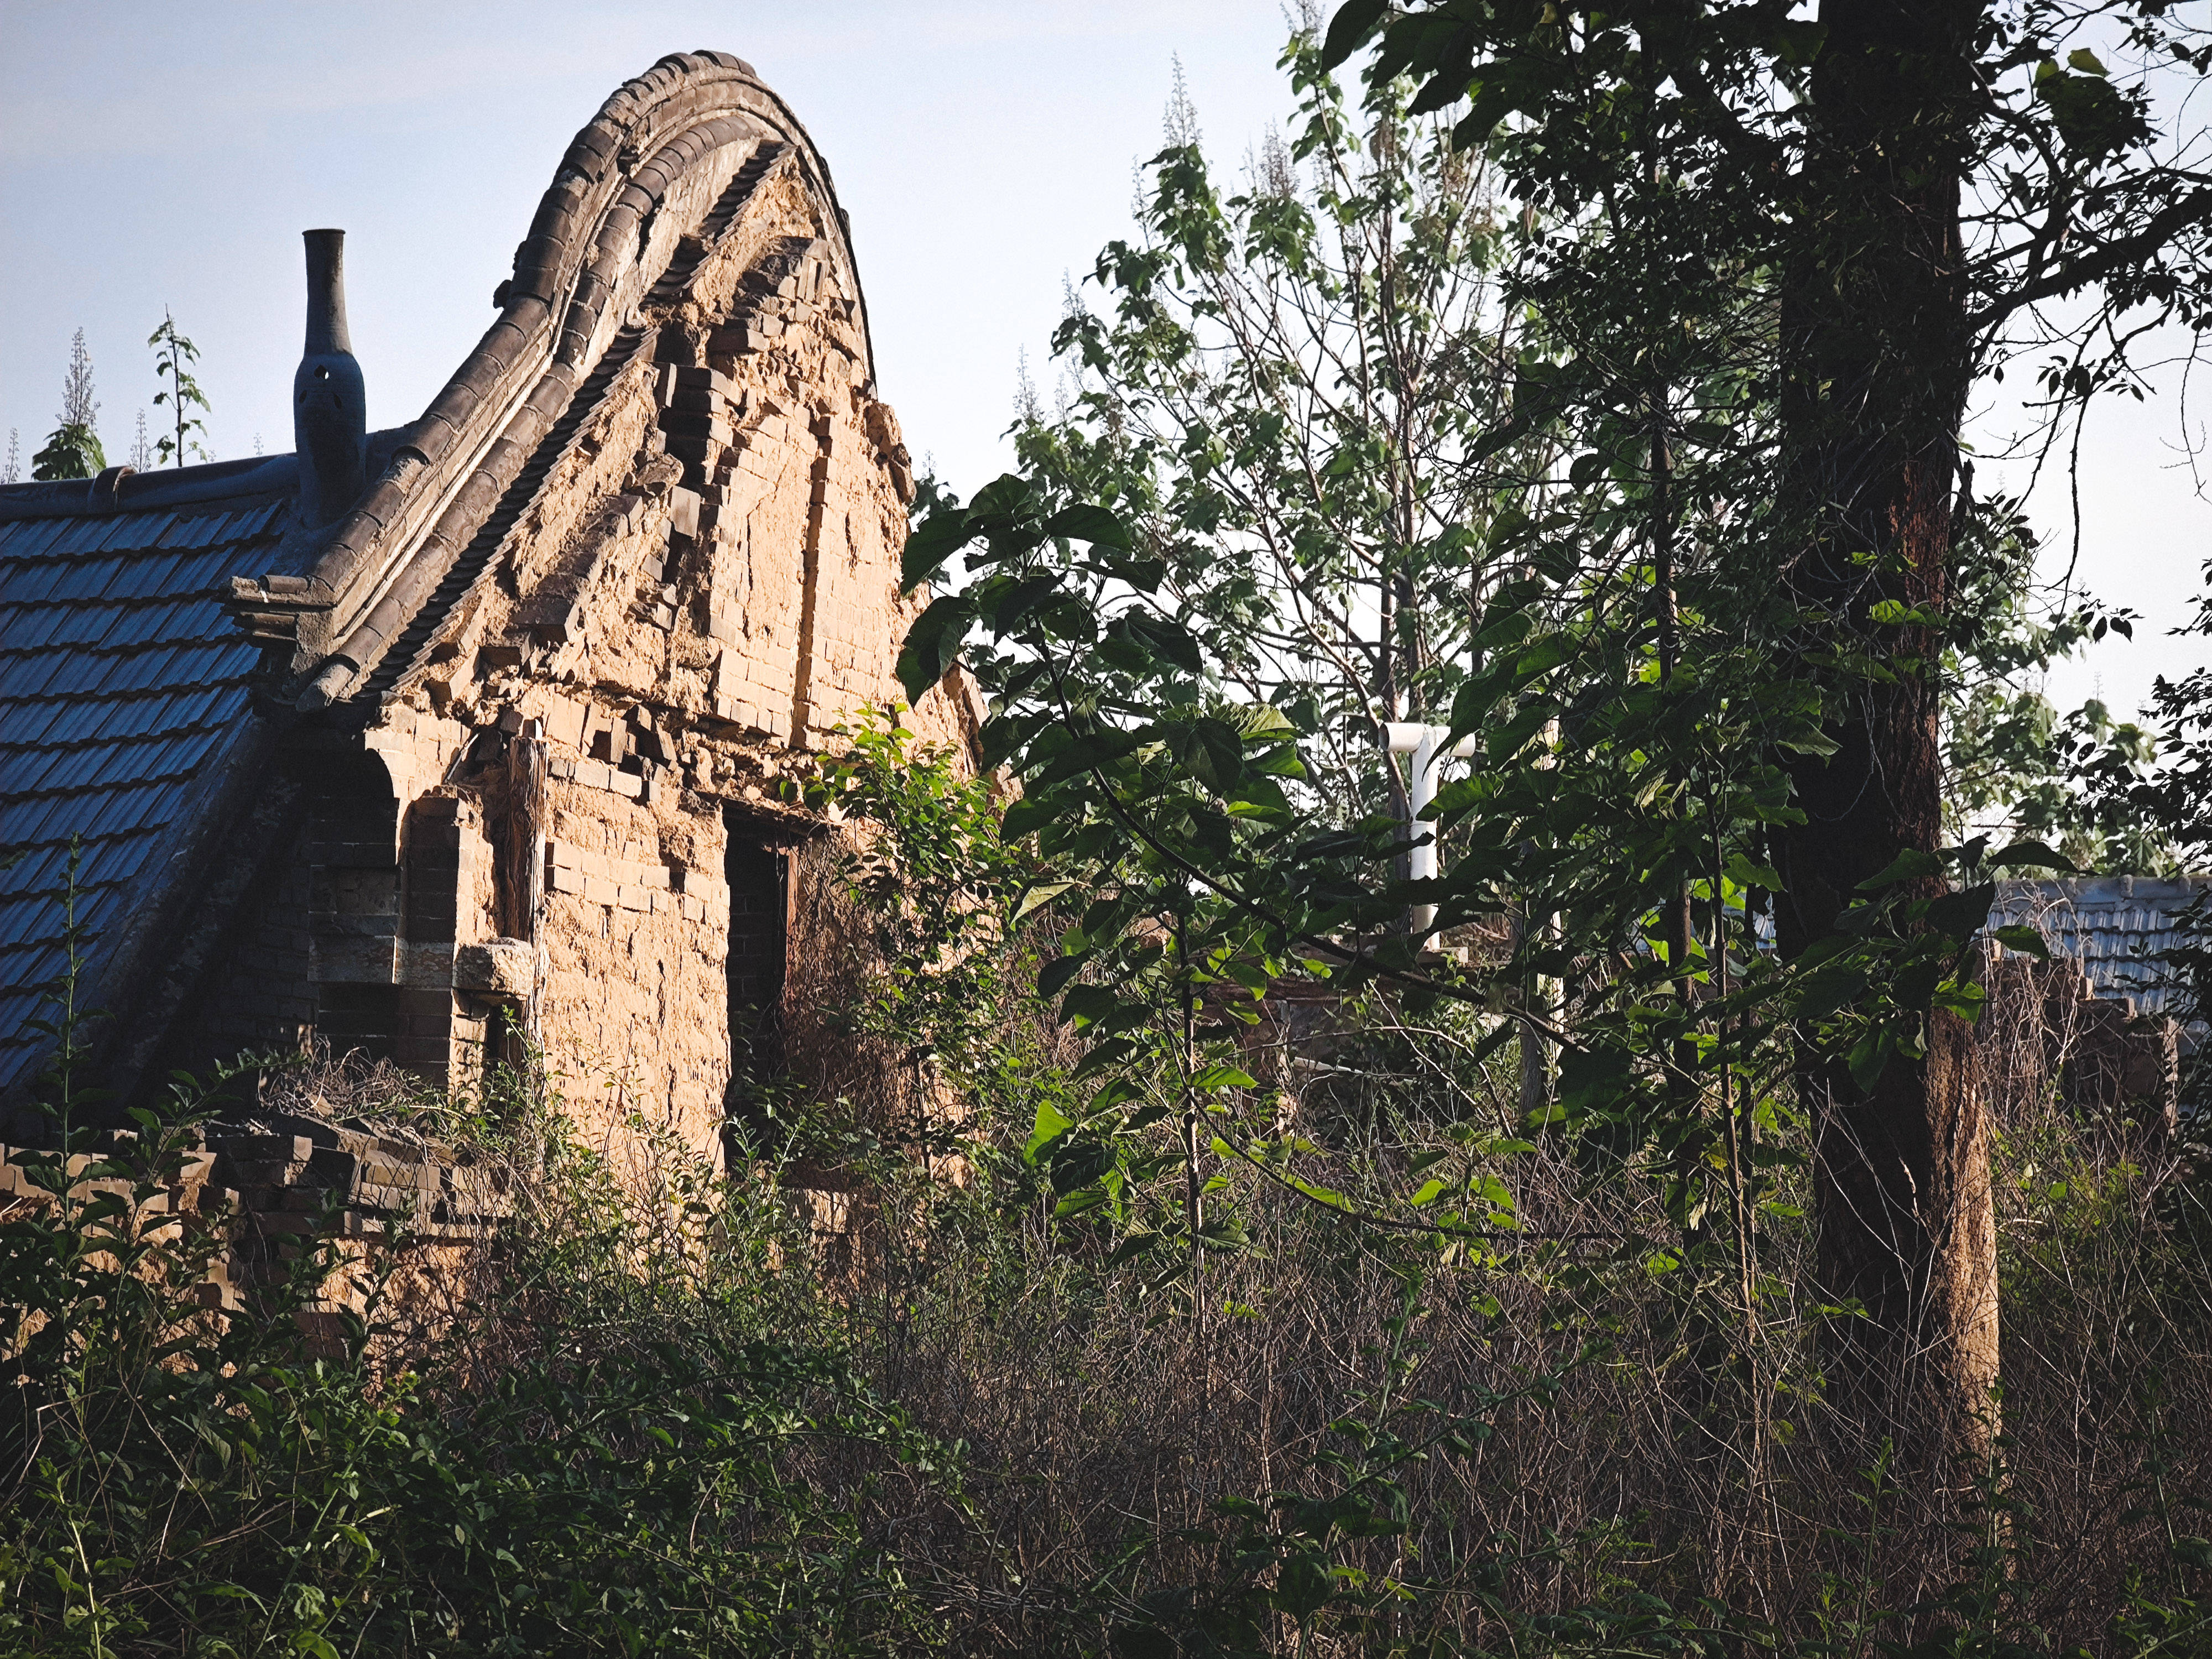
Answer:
(964, 1408)
(1416, 1448)
(610, 1455)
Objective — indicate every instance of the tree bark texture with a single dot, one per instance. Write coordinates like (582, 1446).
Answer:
(1877, 360)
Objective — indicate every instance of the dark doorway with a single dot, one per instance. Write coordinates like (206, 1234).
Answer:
(759, 878)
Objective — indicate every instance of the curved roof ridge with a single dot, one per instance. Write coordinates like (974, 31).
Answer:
(595, 244)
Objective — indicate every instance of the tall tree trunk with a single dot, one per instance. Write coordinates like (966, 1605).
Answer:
(1877, 362)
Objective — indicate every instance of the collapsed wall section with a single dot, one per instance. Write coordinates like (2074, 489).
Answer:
(409, 1215)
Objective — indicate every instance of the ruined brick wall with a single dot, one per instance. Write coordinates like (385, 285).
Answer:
(413, 1213)
(564, 805)
(2045, 1037)
(703, 590)
(262, 997)
(631, 1008)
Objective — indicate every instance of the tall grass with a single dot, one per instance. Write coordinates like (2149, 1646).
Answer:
(1552, 1440)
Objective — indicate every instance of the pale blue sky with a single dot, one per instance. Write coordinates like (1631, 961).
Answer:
(162, 155)
(171, 154)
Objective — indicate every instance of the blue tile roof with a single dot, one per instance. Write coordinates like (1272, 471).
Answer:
(122, 678)
(2111, 925)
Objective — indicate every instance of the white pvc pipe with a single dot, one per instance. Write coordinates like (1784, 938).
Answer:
(1424, 742)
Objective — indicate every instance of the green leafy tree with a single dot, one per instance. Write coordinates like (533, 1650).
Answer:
(1197, 741)
(1294, 402)
(2013, 760)
(1922, 196)
(1297, 398)
(925, 862)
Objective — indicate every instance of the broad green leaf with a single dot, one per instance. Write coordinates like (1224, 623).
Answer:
(934, 541)
(1221, 1075)
(1006, 500)
(1145, 575)
(1870, 1057)
(1117, 1091)
(1085, 522)
(1213, 754)
(1159, 637)
(1051, 1124)
(932, 644)
(1103, 1057)
(1079, 1202)
(1822, 994)
(1474, 700)
(1261, 720)
(1135, 1245)
(1965, 999)
(1054, 975)
(1910, 865)
(1006, 735)
(1010, 607)
(1516, 733)
(1089, 1005)
(2029, 940)
(2030, 854)
(1505, 631)
(1744, 873)
(1027, 816)
(1040, 896)
(1962, 915)
(1348, 30)
(1227, 1233)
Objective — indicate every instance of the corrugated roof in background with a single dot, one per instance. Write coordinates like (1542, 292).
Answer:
(2111, 925)
(122, 678)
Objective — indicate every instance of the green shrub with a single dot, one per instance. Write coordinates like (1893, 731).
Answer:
(634, 1473)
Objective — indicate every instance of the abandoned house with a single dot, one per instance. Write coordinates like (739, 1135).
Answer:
(414, 740)
(2101, 1021)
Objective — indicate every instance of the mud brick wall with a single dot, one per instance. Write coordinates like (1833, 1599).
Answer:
(855, 527)
(352, 933)
(753, 522)
(284, 1171)
(633, 1010)
(2043, 1030)
(262, 997)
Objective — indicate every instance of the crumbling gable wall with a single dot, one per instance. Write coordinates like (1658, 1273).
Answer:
(703, 586)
